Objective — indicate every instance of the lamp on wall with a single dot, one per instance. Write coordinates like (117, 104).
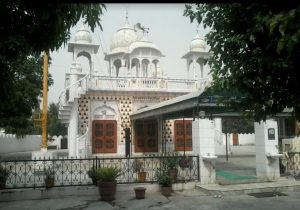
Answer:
(201, 114)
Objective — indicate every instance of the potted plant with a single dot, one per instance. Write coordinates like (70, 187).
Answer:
(171, 163)
(49, 177)
(107, 182)
(139, 169)
(92, 173)
(4, 173)
(164, 180)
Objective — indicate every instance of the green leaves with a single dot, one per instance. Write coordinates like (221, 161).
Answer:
(54, 126)
(108, 174)
(256, 51)
(28, 30)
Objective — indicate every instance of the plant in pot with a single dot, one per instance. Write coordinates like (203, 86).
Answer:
(49, 177)
(139, 169)
(4, 173)
(107, 182)
(164, 180)
(92, 173)
(171, 164)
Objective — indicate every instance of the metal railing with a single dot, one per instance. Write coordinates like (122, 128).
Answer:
(291, 161)
(73, 172)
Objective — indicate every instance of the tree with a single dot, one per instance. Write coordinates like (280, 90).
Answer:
(237, 125)
(255, 51)
(54, 126)
(25, 86)
(27, 30)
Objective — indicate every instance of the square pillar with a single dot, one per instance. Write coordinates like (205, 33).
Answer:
(266, 143)
(204, 146)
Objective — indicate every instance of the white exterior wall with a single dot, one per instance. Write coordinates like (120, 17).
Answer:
(56, 141)
(267, 157)
(9, 143)
(204, 145)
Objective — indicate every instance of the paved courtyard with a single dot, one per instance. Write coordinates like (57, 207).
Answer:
(180, 200)
(185, 200)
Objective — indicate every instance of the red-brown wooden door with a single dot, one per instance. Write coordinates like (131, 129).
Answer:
(146, 138)
(183, 135)
(235, 139)
(104, 139)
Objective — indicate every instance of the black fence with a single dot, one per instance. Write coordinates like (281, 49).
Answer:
(73, 172)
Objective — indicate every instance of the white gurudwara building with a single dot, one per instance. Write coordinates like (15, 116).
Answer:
(96, 107)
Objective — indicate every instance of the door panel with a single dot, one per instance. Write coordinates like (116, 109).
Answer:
(235, 139)
(183, 135)
(104, 139)
(146, 138)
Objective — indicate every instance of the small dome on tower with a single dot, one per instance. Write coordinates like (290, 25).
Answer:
(83, 36)
(123, 38)
(197, 44)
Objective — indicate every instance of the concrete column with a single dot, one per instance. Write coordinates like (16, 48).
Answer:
(204, 146)
(267, 157)
(73, 130)
(75, 70)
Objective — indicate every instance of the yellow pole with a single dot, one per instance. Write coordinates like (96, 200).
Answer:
(45, 93)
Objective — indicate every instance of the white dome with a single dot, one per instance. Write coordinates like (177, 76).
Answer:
(197, 44)
(143, 43)
(123, 38)
(83, 36)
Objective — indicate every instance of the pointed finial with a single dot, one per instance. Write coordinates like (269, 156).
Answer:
(127, 12)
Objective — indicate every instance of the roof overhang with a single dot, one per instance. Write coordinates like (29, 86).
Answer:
(189, 106)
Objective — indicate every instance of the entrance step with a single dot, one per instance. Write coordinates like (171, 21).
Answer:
(281, 185)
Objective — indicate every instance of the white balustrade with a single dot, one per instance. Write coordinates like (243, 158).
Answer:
(88, 81)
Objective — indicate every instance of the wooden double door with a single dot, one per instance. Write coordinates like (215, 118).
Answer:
(146, 136)
(104, 138)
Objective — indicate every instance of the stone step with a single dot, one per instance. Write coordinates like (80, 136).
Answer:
(281, 185)
(64, 112)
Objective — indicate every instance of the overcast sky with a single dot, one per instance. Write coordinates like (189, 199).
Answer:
(169, 30)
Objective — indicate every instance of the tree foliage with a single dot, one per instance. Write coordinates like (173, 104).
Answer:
(237, 125)
(54, 126)
(24, 87)
(255, 51)
(27, 30)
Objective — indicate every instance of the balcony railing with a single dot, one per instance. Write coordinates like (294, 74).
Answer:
(89, 82)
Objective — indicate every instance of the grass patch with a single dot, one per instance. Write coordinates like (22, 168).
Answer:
(232, 176)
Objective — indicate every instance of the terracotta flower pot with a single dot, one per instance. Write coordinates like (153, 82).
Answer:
(142, 176)
(49, 182)
(107, 190)
(139, 192)
(166, 191)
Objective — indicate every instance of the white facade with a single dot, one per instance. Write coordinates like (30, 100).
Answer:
(136, 80)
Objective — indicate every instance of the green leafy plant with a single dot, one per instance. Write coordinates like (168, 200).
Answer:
(108, 174)
(4, 173)
(163, 177)
(49, 177)
(92, 173)
(170, 161)
(49, 173)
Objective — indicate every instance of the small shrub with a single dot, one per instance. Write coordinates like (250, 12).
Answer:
(108, 174)
(163, 177)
